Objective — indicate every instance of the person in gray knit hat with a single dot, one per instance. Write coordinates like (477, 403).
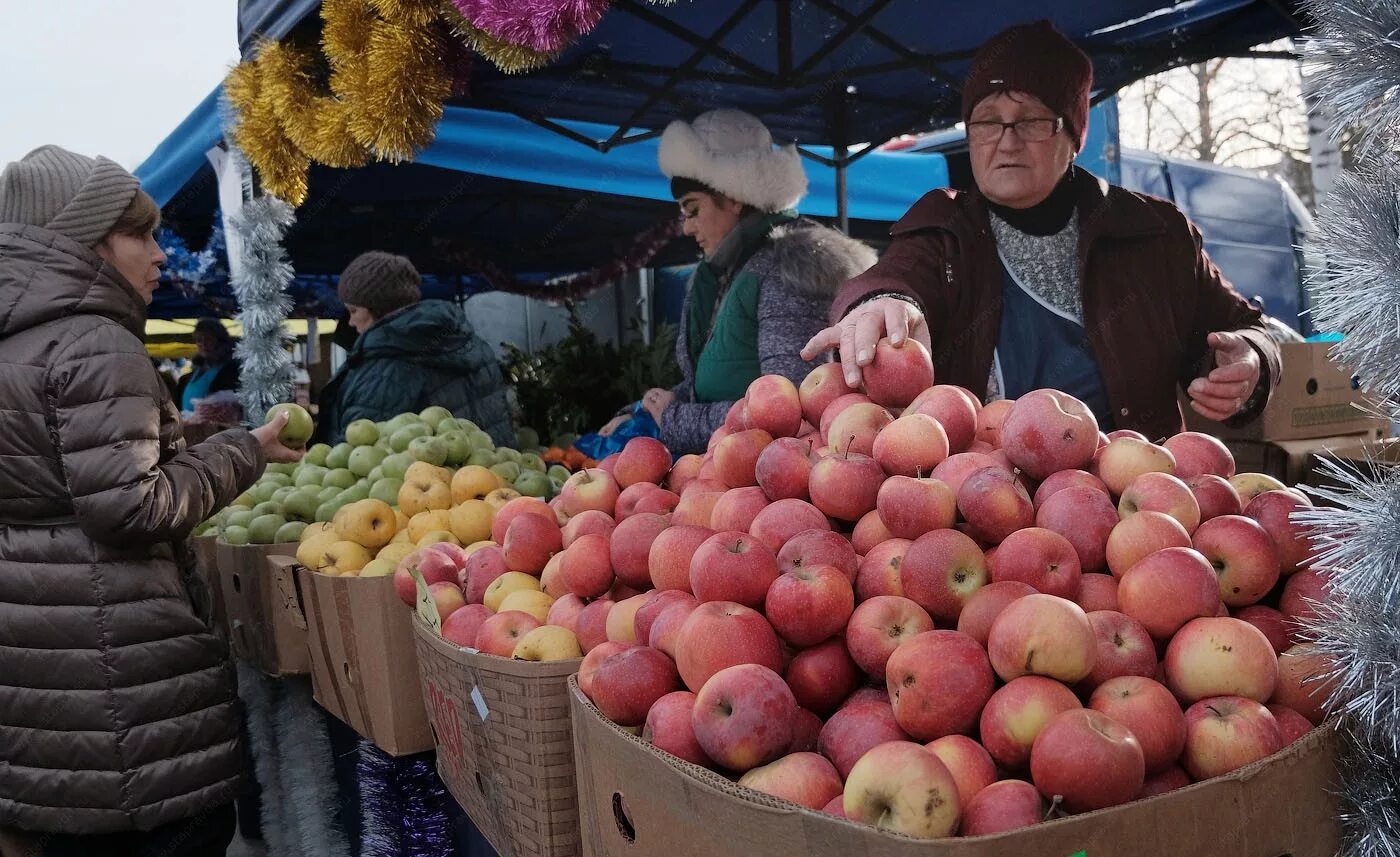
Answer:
(411, 354)
(122, 730)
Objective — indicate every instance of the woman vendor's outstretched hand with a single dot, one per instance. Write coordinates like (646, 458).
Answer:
(866, 324)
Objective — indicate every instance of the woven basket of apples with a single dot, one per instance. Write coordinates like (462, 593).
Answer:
(901, 612)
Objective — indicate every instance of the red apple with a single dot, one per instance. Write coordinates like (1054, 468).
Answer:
(593, 488)
(1271, 622)
(774, 406)
(969, 763)
(1220, 656)
(954, 409)
(869, 531)
(686, 468)
(591, 627)
(1150, 712)
(565, 611)
(1305, 682)
(783, 519)
(655, 603)
(1161, 492)
(1088, 759)
(806, 728)
(630, 547)
(941, 571)
(912, 445)
(784, 468)
(697, 507)
(1243, 556)
(483, 567)
(822, 676)
(990, 420)
(1198, 454)
(1291, 724)
(880, 572)
(1225, 733)
(910, 507)
(666, 625)
(1017, 713)
(805, 779)
(1214, 496)
(938, 681)
(1097, 592)
(878, 626)
(586, 567)
(720, 634)
(743, 716)
(736, 509)
(498, 634)
(462, 625)
(1127, 458)
(589, 665)
(809, 605)
(818, 547)
(669, 727)
(1056, 482)
(836, 408)
(590, 521)
(736, 457)
(1302, 595)
(447, 597)
(1039, 557)
(1170, 780)
(995, 504)
(627, 684)
(1047, 431)
(985, 605)
(855, 428)
(622, 618)
(1273, 511)
(643, 459)
(854, 729)
(732, 566)
(1167, 589)
(822, 386)
(631, 497)
(898, 373)
(668, 561)
(902, 787)
(1042, 635)
(1141, 535)
(1086, 517)
(1124, 648)
(956, 468)
(1003, 806)
(846, 486)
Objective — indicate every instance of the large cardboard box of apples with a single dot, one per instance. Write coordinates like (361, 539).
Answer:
(636, 799)
(504, 743)
(265, 623)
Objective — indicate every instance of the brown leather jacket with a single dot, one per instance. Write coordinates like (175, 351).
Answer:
(117, 703)
(1151, 296)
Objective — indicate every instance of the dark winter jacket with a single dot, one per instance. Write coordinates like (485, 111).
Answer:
(117, 703)
(1151, 295)
(798, 270)
(422, 355)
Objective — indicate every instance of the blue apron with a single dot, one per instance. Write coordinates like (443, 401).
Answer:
(1041, 346)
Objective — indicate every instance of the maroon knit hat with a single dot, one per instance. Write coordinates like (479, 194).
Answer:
(1037, 59)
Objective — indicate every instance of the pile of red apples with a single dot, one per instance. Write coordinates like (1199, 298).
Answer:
(912, 610)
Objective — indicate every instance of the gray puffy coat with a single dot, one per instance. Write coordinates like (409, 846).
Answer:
(117, 703)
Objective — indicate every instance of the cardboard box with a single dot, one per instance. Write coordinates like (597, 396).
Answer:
(635, 800)
(1288, 461)
(1315, 398)
(206, 566)
(1371, 459)
(265, 623)
(364, 666)
(504, 744)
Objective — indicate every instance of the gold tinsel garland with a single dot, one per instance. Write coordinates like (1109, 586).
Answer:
(257, 131)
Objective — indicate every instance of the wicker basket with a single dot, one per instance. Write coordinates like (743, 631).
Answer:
(504, 744)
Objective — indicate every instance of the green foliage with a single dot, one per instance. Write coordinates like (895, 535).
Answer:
(578, 383)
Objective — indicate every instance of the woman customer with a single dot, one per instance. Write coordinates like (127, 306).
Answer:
(411, 354)
(214, 368)
(766, 277)
(119, 726)
(1046, 276)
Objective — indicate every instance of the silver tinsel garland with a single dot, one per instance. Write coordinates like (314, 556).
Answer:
(1369, 795)
(260, 283)
(1355, 59)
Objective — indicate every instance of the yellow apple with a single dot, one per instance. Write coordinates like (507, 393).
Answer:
(378, 568)
(548, 643)
(470, 520)
(426, 522)
(1251, 485)
(422, 493)
(309, 552)
(401, 519)
(422, 470)
(550, 579)
(500, 497)
(402, 538)
(436, 537)
(530, 601)
(511, 581)
(395, 551)
(366, 522)
(476, 546)
(342, 557)
(313, 530)
(473, 482)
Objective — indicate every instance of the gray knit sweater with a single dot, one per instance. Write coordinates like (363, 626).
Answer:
(799, 269)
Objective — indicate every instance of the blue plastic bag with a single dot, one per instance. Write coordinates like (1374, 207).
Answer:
(598, 447)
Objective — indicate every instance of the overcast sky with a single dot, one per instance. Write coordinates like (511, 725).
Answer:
(109, 77)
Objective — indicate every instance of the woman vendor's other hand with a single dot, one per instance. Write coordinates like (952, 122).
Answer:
(614, 424)
(866, 324)
(656, 401)
(1221, 394)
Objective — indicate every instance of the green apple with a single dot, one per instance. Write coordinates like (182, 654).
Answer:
(531, 483)
(481, 440)
(354, 494)
(430, 449)
(399, 422)
(434, 415)
(556, 484)
(365, 458)
(531, 461)
(265, 507)
(203, 529)
(262, 492)
(235, 535)
(240, 519)
(400, 439)
(507, 470)
(289, 532)
(310, 474)
(396, 466)
(299, 427)
(327, 492)
(229, 511)
(262, 530)
(277, 478)
(483, 458)
(558, 472)
(339, 456)
(383, 443)
(374, 475)
(339, 478)
(458, 447)
(284, 467)
(245, 499)
(362, 433)
(505, 453)
(386, 489)
(281, 494)
(316, 455)
(526, 438)
(302, 504)
(326, 511)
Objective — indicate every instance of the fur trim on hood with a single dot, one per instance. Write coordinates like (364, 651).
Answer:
(732, 152)
(814, 259)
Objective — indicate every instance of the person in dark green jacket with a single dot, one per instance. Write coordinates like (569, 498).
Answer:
(411, 354)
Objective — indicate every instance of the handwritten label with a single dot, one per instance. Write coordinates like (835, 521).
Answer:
(288, 590)
(426, 606)
(480, 702)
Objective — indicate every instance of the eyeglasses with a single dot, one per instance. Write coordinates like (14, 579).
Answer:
(1029, 130)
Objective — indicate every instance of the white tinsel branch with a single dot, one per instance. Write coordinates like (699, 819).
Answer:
(1354, 59)
(1358, 292)
(260, 283)
(1368, 789)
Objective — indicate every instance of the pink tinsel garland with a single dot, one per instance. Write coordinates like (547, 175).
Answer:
(546, 26)
(642, 250)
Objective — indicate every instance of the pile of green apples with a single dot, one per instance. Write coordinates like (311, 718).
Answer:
(371, 463)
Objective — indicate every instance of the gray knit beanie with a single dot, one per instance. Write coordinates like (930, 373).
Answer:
(68, 193)
(380, 282)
